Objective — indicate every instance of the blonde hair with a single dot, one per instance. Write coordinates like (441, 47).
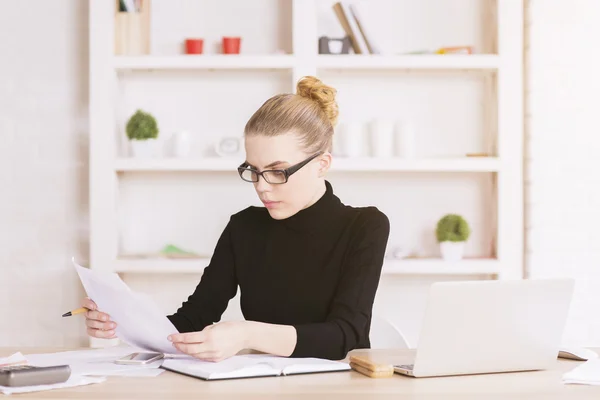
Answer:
(311, 113)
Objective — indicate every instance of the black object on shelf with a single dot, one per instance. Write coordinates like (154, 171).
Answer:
(329, 45)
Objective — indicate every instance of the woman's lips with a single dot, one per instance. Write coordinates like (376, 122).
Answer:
(271, 204)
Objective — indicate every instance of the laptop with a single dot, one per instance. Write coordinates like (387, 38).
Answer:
(479, 327)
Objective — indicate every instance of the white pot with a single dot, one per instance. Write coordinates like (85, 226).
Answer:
(382, 138)
(181, 144)
(351, 139)
(452, 251)
(144, 148)
(405, 139)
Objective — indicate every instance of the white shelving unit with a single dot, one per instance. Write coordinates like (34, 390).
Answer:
(505, 69)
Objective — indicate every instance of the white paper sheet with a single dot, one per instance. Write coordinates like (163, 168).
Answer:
(74, 380)
(15, 359)
(96, 362)
(587, 373)
(19, 358)
(140, 323)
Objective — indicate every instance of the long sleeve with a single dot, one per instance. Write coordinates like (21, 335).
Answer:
(351, 309)
(217, 286)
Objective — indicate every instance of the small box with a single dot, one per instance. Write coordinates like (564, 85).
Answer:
(132, 30)
(369, 367)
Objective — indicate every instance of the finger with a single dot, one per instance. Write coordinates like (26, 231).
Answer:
(194, 348)
(191, 337)
(100, 334)
(105, 326)
(98, 316)
(89, 304)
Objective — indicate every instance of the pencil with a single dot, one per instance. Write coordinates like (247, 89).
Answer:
(75, 312)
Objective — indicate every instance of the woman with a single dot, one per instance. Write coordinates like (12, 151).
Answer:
(307, 265)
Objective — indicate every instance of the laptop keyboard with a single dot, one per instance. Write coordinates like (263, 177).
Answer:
(406, 367)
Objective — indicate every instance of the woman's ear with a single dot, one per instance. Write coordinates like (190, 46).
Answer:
(324, 163)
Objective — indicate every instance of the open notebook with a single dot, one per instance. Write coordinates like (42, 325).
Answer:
(250, 366)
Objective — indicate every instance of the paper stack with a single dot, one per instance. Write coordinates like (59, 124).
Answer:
(87, 367)
(19, 359)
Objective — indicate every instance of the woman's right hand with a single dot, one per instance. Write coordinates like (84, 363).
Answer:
(98, 323)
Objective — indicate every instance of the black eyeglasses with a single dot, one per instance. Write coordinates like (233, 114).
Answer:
(273, 176)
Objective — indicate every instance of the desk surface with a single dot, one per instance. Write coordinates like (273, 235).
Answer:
(332, 386)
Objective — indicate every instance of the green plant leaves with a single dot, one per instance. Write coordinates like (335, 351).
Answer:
(142, 126)
(452, 228)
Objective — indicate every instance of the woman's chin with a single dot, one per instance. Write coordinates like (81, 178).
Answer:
(277, 213)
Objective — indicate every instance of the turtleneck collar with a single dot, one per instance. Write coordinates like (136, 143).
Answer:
(313, 217)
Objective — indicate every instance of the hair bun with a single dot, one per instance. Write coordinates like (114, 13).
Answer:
(312, 88)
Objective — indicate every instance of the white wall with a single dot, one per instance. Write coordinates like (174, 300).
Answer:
(563, 166)
(43, 168)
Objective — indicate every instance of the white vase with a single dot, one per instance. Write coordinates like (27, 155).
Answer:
(181, 144)
(351, 139)
(382, 138)
(144, 148)
(452, 251)
(405, 140)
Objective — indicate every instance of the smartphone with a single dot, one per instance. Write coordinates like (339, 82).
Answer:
(139, 358)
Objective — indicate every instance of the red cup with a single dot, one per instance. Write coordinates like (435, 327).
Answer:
(194, 46)
(231, 45)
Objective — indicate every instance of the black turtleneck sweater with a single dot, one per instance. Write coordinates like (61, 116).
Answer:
(317, 270)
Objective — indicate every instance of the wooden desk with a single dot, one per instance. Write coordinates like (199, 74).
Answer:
(330, 386)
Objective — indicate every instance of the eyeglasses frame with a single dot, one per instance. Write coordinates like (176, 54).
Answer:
(287, 171)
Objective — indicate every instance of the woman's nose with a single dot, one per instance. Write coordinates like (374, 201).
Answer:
(262, 185)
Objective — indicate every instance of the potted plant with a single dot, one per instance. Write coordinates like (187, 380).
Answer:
(452, 232)
(142, 132)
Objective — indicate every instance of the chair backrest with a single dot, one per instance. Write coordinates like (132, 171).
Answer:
(385, 335)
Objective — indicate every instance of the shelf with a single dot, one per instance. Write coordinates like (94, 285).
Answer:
(460, 164)
(429, 266)
(160, 265)
(436, 266)
(178, 164)
(283, 61)
(204, 62)
(439, 61)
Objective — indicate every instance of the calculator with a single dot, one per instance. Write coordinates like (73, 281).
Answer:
(29, 375)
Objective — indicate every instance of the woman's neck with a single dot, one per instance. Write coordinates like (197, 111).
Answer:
(318, 194)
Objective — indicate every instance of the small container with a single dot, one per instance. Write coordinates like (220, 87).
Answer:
(181, 144)
(231, 44)
(351, 139)
(405, 139)
(382, 138)
(194, 46)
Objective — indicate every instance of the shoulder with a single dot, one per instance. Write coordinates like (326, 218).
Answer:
(368, 220)
(249, 216)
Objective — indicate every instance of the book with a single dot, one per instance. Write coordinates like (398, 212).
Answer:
(250, 366)
(358, 13)
(342, 12)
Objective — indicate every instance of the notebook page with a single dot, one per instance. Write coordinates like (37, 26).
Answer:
(233, 367)
(290, 366)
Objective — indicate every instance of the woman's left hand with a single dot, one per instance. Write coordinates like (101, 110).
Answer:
(215, 342)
